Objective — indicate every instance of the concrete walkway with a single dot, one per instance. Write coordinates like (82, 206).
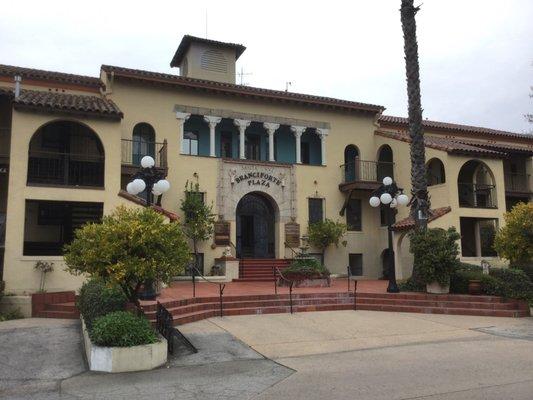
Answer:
(314, 355)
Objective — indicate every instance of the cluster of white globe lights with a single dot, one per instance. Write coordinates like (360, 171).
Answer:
(387, 199)
(138, 185)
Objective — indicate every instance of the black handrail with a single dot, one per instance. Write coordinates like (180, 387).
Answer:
(354, 286)
(221, 287)
(291, 248)
(276, 272)
(165, 326)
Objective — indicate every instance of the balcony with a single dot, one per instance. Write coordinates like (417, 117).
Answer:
(518, 183)
(477, 195)
(133, 151)
(50, 168)
(364, 175)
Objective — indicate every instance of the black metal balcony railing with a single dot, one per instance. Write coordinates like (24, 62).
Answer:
(518, 183)
(477, 195)
(369, 171)
(65, 169)
(133, 151)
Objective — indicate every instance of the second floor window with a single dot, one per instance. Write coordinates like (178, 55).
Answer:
(253, 147)
(226, 145)
(353, 215)
(190, 143)
(316, 212)
(305, 153)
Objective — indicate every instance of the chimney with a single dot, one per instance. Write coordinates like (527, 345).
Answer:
(18, 79)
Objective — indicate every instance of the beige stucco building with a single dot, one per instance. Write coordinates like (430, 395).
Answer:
(270, 162)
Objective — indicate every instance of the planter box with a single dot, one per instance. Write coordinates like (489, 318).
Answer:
(437, 288)
(124, 359)
(320, 282)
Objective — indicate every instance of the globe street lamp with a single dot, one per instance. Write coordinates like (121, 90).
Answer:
(389, 196)
(150, 179)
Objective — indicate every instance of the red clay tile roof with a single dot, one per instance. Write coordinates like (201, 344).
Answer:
(239, 90)
(526, 149)
(409, 223)
(173, 217)
(389, 119)
(51, 76)
(188, 39)
(445, 144)
(64, 102)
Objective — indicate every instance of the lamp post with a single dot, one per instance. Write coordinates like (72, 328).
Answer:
(150, 179)
(389, 196)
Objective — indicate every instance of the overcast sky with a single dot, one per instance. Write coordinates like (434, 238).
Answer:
(476, 56)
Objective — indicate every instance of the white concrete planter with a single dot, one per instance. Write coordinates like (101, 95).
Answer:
(437, 288)
(124, 359)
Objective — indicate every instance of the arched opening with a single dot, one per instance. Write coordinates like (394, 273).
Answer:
(476, 185)
(255, 220)
(351, 163)
(435, 173)
(66, 153)
(385, 162)
(143, 142)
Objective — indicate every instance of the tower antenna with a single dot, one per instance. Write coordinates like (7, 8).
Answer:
(241, 75)
(206, 23)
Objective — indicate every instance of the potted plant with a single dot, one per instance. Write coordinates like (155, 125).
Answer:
(435, 252)
(306, 272)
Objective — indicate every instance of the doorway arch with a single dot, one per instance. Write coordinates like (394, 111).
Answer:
(255, 226)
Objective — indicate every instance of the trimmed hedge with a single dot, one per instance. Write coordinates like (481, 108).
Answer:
(96, 299)
(122, 329)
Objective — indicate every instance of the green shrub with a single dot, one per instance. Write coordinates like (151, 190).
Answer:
(13, 314)
(510, 282)
(322, 234)
(411, 285)
(122, 329)
(435, 253)
(528, 270)
(97, 299)
(305, 268)
(515, 240)
(460, 278)
(462, 266)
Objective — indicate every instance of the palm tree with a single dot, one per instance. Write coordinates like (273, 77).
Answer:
(420, 198)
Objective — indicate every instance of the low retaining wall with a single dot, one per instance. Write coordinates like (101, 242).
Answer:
(12, 303)
(124, 359)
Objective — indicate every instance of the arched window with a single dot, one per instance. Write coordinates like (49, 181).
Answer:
(143, 142)
(385, 165)
(435, 172)
(476, 185)
(351, 163)
(66, 153)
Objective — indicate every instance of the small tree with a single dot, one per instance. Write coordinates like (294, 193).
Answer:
(199, 218)
(127, 248)
(515, 240)
(323, 234)
(435, 254)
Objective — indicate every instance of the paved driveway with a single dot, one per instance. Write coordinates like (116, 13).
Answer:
(379, 355)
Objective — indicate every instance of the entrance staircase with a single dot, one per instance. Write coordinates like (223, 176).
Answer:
(195, 309)
(260, 269)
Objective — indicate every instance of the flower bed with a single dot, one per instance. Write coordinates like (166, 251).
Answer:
(306, 272)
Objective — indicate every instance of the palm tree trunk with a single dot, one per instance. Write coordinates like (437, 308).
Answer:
(420, 200)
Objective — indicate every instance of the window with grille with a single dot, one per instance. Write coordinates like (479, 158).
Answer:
(355, 261)
(316, 210)
(353, 215)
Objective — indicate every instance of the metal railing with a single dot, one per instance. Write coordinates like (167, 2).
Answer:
(221, 287)
(134, 150)
(518, 183)
(68, 169)
(369, 171)
(277, 273)
(354, 287)
(164, 323)
(477, 195)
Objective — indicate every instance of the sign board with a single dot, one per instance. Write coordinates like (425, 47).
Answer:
(222, 233)
(292, 234)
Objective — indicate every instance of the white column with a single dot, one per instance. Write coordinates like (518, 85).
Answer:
(242, 124)
(298, 131)
(323, 133)
(212, 121)
(271, 129)
(181, 117)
